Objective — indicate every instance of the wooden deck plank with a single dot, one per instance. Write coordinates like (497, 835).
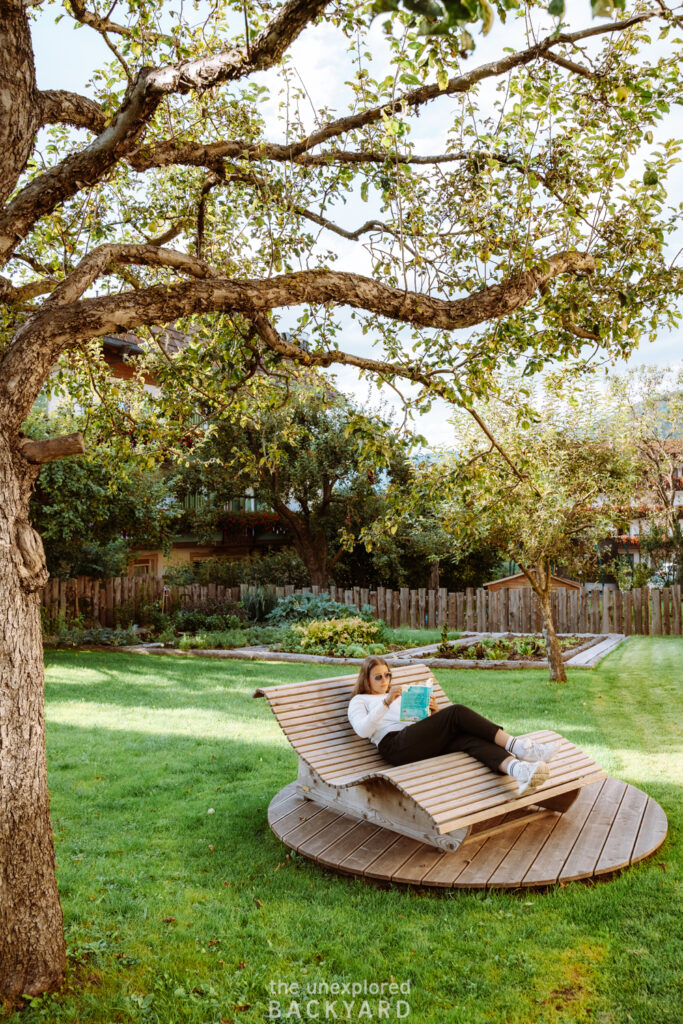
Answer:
(328, 836)
(588, 846)
(305, 810)
(451, 865)
(652, 832)
(518, 860)
(417, 865)
(616, 852)
(299, 833)
(348, 843)
(387, 863)
(487, 858)
(283, 807)
(548, 863)
(370, 848)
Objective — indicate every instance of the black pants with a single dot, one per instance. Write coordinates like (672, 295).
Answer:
(452, 729)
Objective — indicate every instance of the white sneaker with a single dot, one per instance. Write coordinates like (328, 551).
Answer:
(530, 750)
(529, 776)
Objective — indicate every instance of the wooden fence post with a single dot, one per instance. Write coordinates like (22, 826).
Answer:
(628, 613)
(452, 613)
(460, 611)
(605, 624)
(482, 624)
(412, 608)
(469, 611)
(646, 611)
(656, 629)
(421, 607)
(442, 606)
(405, 606)
(676, 617)
(618, 611)
(666, 615)
(431, 609)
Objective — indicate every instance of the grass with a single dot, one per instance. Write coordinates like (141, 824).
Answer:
(175, 914)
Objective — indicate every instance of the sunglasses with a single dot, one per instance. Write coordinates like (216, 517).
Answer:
(381, 675)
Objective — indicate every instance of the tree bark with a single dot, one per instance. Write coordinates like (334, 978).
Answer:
(32, 949)
(18, 109)
(558, 673)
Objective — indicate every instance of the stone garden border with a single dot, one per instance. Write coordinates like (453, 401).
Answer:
(588, 655)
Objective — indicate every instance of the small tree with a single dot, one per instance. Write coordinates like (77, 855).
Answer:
(308, 455)
(542, 492)
(649, 401)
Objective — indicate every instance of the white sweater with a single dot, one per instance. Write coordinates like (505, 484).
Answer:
(372, 719)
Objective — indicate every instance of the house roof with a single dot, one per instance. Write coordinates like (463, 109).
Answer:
(521, 576)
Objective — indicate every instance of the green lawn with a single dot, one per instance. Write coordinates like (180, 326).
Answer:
(175, 914)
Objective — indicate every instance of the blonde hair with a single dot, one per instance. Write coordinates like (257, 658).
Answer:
(362, 684)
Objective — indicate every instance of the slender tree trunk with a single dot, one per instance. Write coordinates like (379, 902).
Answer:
(558, 673)
(32, 950)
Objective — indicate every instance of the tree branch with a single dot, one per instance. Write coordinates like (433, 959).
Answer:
(98, 262)
(57, 106)
(207, 155)
(82, 169)
(38, 343)
(52, 448)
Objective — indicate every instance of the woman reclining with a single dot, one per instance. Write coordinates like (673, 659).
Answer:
(374, 713)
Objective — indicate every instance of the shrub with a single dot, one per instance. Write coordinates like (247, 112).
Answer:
(228, 638)
(99, 636)
(276, 568)
(259, 603)
(337, 637)
(210, 614)
(302, 607)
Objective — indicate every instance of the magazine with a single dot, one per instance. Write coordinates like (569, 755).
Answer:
(415, 703)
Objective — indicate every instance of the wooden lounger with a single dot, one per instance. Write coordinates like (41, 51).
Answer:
(439, 801)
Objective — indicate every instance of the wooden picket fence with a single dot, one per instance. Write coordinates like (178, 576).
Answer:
(642, 611)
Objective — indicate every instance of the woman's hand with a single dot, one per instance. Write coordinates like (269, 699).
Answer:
(433, 706)
(392, 693)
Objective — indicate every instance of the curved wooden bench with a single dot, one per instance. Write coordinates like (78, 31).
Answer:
(442, 801)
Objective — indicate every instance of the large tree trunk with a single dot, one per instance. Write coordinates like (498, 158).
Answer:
(313, 551)
(32, 950)
(18, 108)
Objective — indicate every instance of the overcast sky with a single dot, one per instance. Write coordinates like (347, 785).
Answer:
(66, 58)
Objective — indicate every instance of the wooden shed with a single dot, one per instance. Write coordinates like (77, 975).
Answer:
(519, 580)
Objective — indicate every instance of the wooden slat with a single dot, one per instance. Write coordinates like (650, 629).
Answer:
(327, 837)
(305, 830)
(471, 818)
(487, 858)
(548, 864)
(389, 862)
(451, 865)
(588, 847)
(368, 851)
(520, 857)
(616, 853)
(348, 843)
(276, 811)
(652, 832)
(422, 860)
(303, 812)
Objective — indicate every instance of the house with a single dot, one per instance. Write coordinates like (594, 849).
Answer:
(245, 529)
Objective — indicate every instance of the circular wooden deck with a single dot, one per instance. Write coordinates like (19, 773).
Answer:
(609, 827)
